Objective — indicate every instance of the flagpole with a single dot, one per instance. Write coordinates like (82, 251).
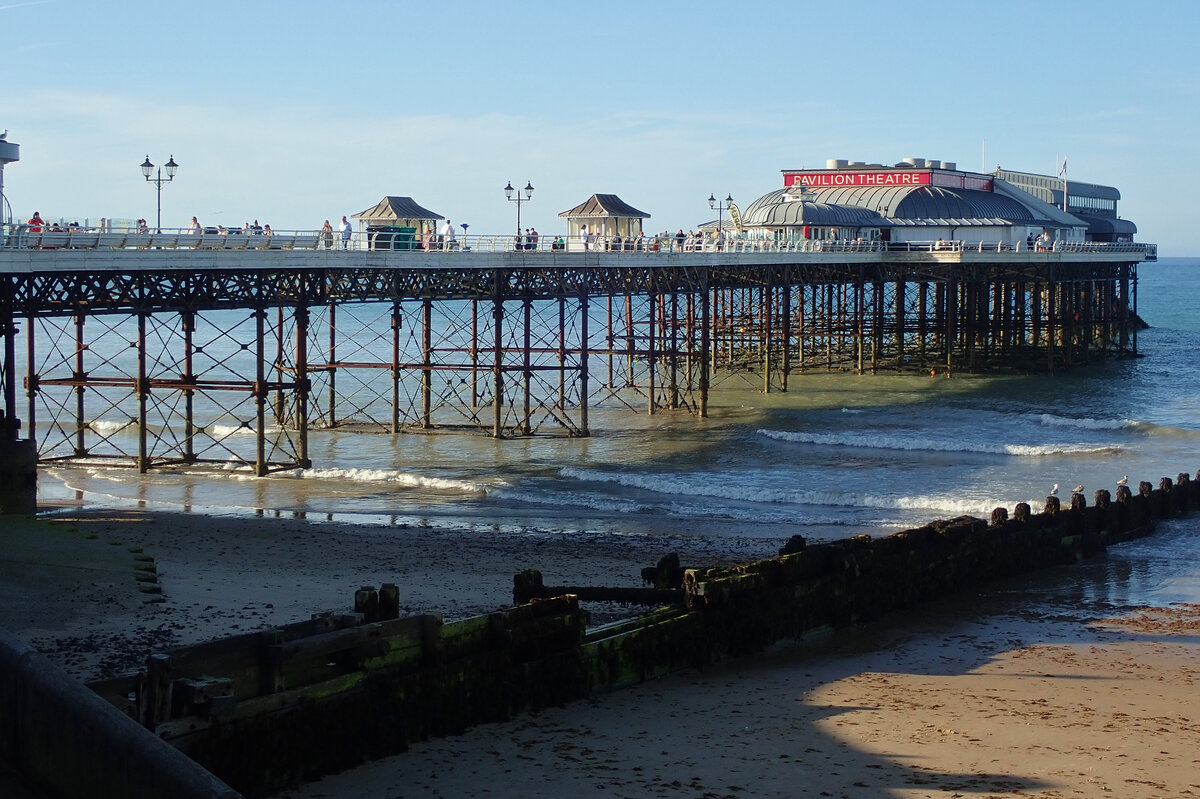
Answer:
(1063, 173)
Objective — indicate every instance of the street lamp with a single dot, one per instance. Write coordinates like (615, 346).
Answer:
(721, 206)
(464, 226)
(158, 181)
(515, 196)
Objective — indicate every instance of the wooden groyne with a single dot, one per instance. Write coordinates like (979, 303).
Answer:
(275, 708)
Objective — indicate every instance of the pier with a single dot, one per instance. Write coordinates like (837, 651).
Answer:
(172, 349)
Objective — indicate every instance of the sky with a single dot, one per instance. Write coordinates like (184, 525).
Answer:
(292, 113)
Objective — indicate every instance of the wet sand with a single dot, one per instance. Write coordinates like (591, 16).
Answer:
(67, 581)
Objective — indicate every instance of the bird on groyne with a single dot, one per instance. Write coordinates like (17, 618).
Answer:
(1077, 490)
(1054, 490)
(1123, 480)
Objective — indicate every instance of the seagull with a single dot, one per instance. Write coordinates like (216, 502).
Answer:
(1054, 491)
(1123, 480)
(1077, 490)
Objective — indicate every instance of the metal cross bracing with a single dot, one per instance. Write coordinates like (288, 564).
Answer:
(234, 368)
(424, 364)
(158, 390)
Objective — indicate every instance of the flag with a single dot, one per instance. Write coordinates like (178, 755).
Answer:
(1063, 171)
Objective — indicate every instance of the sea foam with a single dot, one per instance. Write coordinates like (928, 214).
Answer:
(877, 440)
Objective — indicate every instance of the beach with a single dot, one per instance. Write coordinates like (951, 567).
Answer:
(68, 580)
(1020, 688)
(1073, 682)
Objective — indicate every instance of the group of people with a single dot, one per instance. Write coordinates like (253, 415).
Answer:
(36, 225)
(249, 228)
(443, 240)
(686, 242)
(346, 230)
(1042, 243)
(528, 241)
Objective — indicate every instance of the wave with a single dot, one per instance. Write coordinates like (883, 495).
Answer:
(607, 504)
(876, 440)
(726, 489)
(217, 432)
(1050, 420)
(406, 479)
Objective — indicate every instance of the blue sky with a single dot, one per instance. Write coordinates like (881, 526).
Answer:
(294, 112)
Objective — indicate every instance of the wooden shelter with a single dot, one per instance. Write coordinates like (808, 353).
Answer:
(606, 216)
(398, 211)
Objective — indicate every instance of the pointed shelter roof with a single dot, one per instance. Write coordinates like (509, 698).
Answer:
(392, 209)
(604, 206)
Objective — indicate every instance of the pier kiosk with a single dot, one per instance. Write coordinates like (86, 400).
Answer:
(607, 218)
(397, 220)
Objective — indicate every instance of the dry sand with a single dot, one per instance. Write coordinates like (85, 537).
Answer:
(980, 696)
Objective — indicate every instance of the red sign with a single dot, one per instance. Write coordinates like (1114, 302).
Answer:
(892, 177)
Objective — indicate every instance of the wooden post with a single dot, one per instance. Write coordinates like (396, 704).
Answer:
(155, 695)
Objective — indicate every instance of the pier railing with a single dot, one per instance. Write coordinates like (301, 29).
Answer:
(22, 237)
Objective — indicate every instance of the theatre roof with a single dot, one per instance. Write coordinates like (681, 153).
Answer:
(1108, 225)
(604, 206)
(392, 209)
(906, 206)
(773, 210)
(1043, 211)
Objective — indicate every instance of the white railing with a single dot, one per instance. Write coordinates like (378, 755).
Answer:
(20, 236)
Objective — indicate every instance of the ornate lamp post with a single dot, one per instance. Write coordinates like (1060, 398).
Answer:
(158, 180)
(515, 196)
(721, 206)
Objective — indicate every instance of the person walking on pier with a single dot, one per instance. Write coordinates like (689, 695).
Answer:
(448, 235)
(327, 235)
(347, 229)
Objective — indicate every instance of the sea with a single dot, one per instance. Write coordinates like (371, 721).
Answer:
(836, 455)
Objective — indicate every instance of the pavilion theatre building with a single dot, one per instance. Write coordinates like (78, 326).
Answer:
(919, 200)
